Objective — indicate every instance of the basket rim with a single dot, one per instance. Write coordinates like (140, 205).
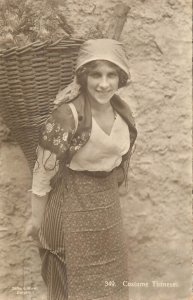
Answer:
(62, 43)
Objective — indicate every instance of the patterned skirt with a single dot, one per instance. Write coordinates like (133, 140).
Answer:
(82, 246)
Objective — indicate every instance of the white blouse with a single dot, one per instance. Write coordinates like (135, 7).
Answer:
(102, 152)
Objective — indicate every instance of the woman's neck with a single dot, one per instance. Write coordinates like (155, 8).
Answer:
(98, 107)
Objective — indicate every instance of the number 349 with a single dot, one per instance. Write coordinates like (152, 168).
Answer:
(110, 283)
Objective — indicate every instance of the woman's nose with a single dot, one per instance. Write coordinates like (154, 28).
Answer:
(104, 83)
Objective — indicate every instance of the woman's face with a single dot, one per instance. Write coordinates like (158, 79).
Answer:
(102, 82)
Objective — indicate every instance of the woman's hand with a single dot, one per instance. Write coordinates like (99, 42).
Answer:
(38, 204)
(32, 228)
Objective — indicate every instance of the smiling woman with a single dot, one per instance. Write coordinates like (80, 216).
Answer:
(84, 145)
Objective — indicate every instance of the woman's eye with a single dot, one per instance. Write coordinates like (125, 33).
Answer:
(95, 75)
(99, 75)
(113, 75)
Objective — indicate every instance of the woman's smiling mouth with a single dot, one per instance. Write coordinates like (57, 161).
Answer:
(104, 92)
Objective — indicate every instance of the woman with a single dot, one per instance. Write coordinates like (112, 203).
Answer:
(83, 157)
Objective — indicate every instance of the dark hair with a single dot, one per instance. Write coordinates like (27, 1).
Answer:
(83, 72)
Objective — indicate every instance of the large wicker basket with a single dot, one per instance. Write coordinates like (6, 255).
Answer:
(30, 78)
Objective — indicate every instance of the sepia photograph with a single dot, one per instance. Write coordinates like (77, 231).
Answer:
(96, 150)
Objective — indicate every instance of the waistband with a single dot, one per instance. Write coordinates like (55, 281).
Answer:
(94, 173)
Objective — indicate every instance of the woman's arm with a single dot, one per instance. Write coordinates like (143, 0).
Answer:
(55, 137)
(38, 204)
(44, 170)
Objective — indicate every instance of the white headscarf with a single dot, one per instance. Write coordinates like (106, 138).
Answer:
(91, 50)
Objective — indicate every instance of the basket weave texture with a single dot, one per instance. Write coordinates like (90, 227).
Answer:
(30, 78)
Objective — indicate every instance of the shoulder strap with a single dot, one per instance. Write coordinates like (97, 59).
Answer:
(75, 114)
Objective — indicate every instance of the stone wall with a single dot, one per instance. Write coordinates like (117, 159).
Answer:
(157, 208)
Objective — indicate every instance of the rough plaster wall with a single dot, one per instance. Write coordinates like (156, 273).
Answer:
(157, 209)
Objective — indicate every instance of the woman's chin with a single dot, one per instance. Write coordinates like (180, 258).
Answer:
(103, 98)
